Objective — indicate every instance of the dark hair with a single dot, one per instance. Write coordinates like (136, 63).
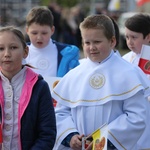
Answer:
(99, 21)
(40, 15)
(139, 23)
(117, 32)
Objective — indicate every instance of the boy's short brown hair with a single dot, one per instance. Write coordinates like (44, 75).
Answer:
(40, 15)
(99, 21)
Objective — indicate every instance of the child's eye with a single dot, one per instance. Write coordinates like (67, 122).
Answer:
(126, 37)
(1, 48)
(96, 42)
(13, 47)
(87, 43)
(34, 33)
(44, 33)
(134, 37)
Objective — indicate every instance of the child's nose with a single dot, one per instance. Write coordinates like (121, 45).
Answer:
(39, 37)
(92, 47)
(7, 52)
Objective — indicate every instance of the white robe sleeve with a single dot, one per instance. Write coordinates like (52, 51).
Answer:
(126, 129)
(65, 124)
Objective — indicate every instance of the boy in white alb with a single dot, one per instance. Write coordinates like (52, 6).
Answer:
(48, 57)
(137, 32)
(103, 89)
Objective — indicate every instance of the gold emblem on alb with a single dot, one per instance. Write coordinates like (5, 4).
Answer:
(97, 80)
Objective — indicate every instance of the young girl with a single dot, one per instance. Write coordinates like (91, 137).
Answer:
(103, 89)
(26, 109)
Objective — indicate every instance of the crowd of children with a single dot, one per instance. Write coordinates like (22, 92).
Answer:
(104, 89)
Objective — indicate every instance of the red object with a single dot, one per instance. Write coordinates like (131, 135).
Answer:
(144, 62)
(1, 139)
(142, 2)
(54, 103)
(86, 145)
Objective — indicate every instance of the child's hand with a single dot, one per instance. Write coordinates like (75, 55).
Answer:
(76, 142)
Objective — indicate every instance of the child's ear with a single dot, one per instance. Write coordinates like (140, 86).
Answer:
(26, 51)
(148, 37)
(113, 42)
(26, 29)
(53, 29)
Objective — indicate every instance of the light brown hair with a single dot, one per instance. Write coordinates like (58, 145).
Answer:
(99, 21)
(40, 15)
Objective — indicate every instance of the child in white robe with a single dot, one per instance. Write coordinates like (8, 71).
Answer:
(48, 57)
(137, 32)
(102, 89)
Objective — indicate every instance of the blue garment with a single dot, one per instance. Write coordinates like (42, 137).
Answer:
(31, 130)
(68, 58)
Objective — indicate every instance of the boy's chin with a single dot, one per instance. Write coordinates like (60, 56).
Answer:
(96, 60)
(40, 45)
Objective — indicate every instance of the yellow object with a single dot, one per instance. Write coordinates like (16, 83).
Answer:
(96, 136)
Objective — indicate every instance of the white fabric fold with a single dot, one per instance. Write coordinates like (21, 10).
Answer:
(122, 88)
(86, 101)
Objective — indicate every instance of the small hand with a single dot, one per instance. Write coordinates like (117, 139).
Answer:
(76, 142)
